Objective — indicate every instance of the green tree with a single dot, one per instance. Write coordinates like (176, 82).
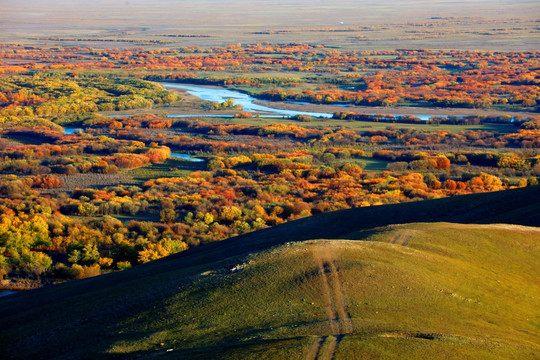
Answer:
(35, 262)
(90, 253)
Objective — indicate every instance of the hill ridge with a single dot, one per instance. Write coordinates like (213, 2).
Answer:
(520, 207)
(106, 303)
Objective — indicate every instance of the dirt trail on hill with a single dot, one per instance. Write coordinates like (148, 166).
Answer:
(335, 305)
(402, 238)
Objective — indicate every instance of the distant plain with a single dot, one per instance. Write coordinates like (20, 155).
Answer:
(478, 25)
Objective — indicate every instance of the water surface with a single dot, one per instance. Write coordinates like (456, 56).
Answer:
(186, 157)
(247, 102)
(220, 95)
(69, 131)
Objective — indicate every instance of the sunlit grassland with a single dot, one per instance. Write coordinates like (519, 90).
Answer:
(452, 290)
(170, 168)
(366, 25)
(413, 348)
(146, 217)
(369, 164)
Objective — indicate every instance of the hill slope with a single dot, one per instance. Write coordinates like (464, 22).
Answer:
(377, 291)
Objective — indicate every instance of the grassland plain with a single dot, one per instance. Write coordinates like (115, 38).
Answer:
(191, 104)
(344, 23)
(398, 281)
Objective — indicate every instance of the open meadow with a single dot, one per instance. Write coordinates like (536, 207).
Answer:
(478, 25)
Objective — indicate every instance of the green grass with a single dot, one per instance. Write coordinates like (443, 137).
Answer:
(125, 219)
(368, 163)
(24, 140)
(373, 164)
(472, 288)
(420, 290)
(412, 348)
(367, 125)
(170, 168)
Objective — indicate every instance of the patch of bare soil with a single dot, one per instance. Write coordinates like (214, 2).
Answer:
(72, 182)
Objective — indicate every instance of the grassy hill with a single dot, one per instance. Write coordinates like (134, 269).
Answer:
(434, 279)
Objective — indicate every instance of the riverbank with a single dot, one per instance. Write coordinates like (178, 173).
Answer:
(280, 108)
(193, 104)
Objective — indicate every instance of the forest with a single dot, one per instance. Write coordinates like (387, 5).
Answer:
(84, 193)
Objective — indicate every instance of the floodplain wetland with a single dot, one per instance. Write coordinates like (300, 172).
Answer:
(328, 180)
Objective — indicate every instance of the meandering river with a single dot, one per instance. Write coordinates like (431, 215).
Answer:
(247, 102)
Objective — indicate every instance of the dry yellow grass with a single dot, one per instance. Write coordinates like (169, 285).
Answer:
(353, 24)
